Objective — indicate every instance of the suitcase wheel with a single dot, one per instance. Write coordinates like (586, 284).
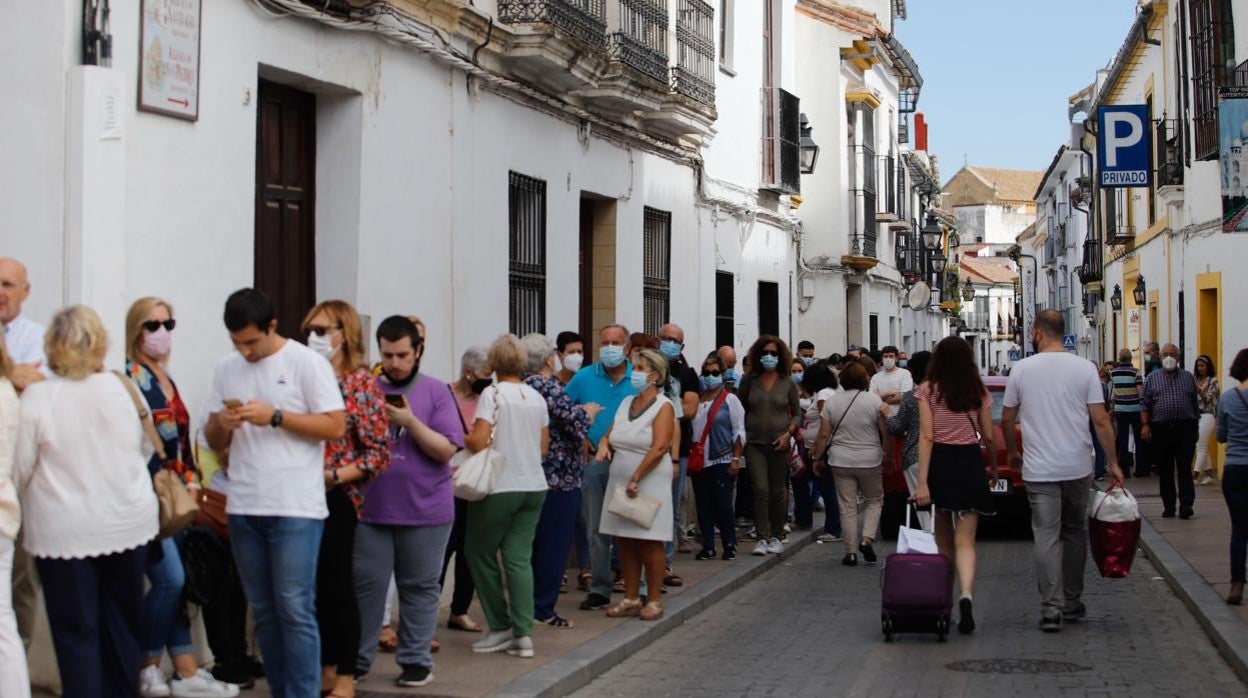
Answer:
(888, 629)
(942, 629)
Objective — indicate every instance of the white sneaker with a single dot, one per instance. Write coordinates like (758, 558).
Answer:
(494, 641)
(760, 548)
(201, 685)
(152, 683)
(521, 647)
(774, 546)
(1205, 480)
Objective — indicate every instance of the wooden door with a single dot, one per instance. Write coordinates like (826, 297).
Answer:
(285, 202)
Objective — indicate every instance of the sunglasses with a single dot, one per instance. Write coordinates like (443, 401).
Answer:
(712, 373)
(320, 330)
(770, 352)
(154, 325)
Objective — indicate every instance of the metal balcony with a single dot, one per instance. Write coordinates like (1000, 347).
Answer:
(694, 73)
(641, 40)
(1120, 235)
(583, 19)
(781, 141)
(1169, 152)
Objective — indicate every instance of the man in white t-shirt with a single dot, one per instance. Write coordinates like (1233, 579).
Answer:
(892, 382)
(274, 403)
(1056, 393)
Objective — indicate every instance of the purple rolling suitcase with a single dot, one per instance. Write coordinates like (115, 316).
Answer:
(918, 594)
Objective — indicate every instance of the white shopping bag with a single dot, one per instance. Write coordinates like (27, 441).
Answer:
(1115, 505)
(915, 540)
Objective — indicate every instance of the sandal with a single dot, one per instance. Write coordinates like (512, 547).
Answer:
(618, 586)
(652, 611)
(556, 621)
(626, 608)
(673, 580)
(434, 646)
(583, 580)
(463, 623)
(563, 588)
(388, 642)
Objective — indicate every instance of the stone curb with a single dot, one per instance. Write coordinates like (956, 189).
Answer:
(578, 668)
(1221, 623)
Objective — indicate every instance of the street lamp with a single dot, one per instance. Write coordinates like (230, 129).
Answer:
(931, 231)
(1115, 301)
(1141, 291)
(938, 261)
(808, 148)
(954, 240)
(968, 291)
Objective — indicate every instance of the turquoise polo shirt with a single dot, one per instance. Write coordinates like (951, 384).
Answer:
(592, 385)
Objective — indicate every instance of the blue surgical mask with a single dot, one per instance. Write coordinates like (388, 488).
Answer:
(669, 349)
(611, 355)
(902, 363)
(808, 360)
(769, 362)
(711, 382)
(730, 375)
(797, 377)
(639, 379)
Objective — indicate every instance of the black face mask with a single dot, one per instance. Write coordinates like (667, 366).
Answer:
(401, 383)
(479, 385)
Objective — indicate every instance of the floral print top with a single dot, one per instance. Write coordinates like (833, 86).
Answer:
(1207, 392)
(365, 444)
(173, 423)
(569, 424)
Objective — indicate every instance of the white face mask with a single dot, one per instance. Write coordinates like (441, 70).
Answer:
(890, 363)
(323, 345)
(1169, 363)
(573, 362)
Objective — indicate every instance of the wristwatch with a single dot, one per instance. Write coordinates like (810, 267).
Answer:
(276, 421)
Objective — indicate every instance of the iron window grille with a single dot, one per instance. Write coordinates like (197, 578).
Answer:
(890, 184)
(694, 73)
(1169, 152)
(1212, 46)
(641, 40)
(583, 19)
(864, 233)
(656, 269)
(725, 320)
(527, 249)
(781, 141)
(1090, 270)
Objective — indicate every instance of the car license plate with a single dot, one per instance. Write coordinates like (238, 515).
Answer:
(1001, 486)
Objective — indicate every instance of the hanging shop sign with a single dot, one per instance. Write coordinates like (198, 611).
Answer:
(1123, 148)
(1233, 158)
(169, 40)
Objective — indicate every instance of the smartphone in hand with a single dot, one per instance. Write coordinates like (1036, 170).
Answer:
(232, 404)
(396, 401)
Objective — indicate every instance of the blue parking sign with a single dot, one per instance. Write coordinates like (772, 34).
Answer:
(1123, 146)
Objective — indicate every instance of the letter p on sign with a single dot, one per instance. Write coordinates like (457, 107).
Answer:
(1124, 152)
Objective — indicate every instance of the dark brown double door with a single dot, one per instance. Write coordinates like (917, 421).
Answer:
(285, 254)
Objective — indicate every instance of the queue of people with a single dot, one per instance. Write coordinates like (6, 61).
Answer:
(338, 480)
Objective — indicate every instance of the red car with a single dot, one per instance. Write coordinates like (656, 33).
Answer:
(1010, 493)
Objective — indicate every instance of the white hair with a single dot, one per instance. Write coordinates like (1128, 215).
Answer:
(473, 360)
(539, 349)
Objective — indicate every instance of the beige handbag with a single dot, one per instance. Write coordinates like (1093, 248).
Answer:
(640, 510)
(177, 505)
(475, 475)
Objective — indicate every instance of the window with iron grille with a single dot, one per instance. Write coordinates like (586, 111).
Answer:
(1212, 46)
(725, 320)
(526, 199)
(656, 269)
(694, 72)
(781, 141)
(862, 177)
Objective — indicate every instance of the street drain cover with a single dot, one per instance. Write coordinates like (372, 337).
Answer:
(1016, 666)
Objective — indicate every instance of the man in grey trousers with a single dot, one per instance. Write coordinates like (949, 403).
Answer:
(1056, 392)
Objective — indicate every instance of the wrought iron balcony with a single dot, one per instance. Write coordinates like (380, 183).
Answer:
(1169, 152)
(1120, 235)
(1090, 269)
(583, 19)
(694, 73)
(781, 141)
(641, 41)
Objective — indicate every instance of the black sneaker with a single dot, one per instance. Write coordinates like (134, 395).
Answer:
(730, 553)
(1074, 613)
(966, 621)
(595, 602)
(233, 672)
(253, 666)
(1051, 624)
(868, 552)
(850, 560)
(414, 676)
(1167, 514)
(706, 554)
(1186, 513)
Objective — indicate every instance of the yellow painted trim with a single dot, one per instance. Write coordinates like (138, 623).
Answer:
(1212, 281)
(865, 96)
(860, 47)
(1160, 226)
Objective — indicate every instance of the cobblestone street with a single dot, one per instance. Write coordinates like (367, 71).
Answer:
(811, 627)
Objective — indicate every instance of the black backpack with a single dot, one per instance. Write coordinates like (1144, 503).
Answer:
(208, 563)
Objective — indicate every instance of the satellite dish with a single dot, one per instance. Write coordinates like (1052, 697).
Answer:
(919, 296)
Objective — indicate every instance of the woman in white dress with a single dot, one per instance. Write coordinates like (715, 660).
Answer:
(638, 446)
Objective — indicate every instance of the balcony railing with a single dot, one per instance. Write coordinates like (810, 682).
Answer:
(888, 172)
(694, 73)
(1120, 235)
(1090, 269)
(781, 141)
(1169, 152)
(641, 42)
(583, 19)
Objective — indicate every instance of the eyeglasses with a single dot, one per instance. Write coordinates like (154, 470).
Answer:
(670, 339)
(717, 372)
(320, 330)
(770, 352)
(154, 325)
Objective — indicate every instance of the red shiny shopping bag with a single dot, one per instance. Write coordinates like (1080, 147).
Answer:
(1114, 542)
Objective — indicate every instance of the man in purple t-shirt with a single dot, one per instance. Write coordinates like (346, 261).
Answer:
(408, 510)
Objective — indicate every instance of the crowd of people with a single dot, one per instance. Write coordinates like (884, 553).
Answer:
(338, 480)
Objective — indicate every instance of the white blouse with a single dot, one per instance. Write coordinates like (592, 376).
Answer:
(736, 416)
(10, 414)
(81, 469)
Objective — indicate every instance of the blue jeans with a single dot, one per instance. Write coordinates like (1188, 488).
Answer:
(678, 490)
(593, 492)
(1235, 491)
(550, 549)
(712, 489)
(276, 558)
(804, 501)
(164, 624)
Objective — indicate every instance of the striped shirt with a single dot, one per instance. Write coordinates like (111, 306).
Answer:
(949, 427)
(1127, 391)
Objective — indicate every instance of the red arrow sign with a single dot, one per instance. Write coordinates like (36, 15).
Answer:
(184, 102)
